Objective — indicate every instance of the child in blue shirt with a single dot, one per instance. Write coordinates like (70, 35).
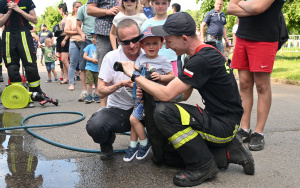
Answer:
(90, 55)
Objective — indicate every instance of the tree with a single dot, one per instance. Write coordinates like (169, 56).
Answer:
(51, 17)
(291, 11)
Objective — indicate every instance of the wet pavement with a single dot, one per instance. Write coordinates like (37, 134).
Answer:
(26, 161)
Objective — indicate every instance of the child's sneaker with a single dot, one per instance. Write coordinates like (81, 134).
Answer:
(48, 81)
(88, 98)
(143, 151)
(96, 98)
(56, 80)
(130, 153)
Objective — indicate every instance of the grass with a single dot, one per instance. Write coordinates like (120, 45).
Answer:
(287, 67)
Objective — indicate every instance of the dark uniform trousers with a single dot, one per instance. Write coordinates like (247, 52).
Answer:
(193, 132)
(18, 45)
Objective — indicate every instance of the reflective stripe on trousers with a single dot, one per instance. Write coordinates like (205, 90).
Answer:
(182, 137)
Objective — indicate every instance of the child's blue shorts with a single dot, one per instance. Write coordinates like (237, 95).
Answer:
(138, 111)
(50, 66)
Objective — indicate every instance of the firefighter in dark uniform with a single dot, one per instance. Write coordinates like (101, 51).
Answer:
(204, 139)
(17, 41)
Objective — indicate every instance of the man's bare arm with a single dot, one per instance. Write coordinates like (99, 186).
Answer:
(30, 17)
(234, 9)
(202, 29)
(163, 93)
(79, 31)
(93, 10)
(4, 17)
(105, 89)
(255, 7)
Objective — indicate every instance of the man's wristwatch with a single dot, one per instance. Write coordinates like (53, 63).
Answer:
(134, 75)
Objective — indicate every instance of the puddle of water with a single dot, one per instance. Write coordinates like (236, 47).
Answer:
(20, 168)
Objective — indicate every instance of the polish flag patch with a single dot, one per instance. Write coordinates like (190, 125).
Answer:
(188, 73)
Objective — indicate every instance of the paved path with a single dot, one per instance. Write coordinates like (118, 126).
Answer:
(278, 165)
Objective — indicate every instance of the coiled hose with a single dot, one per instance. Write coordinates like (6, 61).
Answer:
(26, 127)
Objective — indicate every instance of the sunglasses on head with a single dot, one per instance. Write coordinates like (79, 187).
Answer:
(130, 0)
(134, 40)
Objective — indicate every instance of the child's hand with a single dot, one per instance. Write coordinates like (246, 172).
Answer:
(155, 76)
(58, 54)
(95, 61)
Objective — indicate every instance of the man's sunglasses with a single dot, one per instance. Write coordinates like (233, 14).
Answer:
(134, 40)
(130, 0)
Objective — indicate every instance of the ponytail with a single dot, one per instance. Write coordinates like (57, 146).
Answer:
(64, 8)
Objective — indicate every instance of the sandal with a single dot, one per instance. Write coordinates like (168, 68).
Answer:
(64, 82)
(71, 88)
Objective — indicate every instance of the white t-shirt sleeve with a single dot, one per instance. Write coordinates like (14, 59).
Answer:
(235, 28)
(118, 18)
(106, 71)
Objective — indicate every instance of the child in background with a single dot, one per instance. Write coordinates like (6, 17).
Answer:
(163, 75)
(90, 55)
(161, 7)
(128, 9)
(49, 59)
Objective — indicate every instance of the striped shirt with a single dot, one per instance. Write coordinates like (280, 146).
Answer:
(103, 24)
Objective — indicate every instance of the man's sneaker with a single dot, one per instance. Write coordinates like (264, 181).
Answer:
(88, 98)
(189, 178)
(107, 150)
(130, 153)
(96, 98)
(143, 151)
(237, 153)
(56, 80)
(82, 96)
(241, 133)
(257, 142)
(48, 81)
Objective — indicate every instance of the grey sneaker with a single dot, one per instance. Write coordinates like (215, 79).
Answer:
(243, 135)
(257, 142)
(82, 96)
(56, 80)
(48, 81)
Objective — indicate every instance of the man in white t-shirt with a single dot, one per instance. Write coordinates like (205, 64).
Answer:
(103, 124)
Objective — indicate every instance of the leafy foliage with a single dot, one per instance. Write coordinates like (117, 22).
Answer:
(291, 10)
(51, 16)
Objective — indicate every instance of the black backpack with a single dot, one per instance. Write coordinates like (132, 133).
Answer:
(57, 32)
(283, 32)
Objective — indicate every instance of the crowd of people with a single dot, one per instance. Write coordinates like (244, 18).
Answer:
(143, 37)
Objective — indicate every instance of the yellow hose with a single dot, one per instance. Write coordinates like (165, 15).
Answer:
(15, 96)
